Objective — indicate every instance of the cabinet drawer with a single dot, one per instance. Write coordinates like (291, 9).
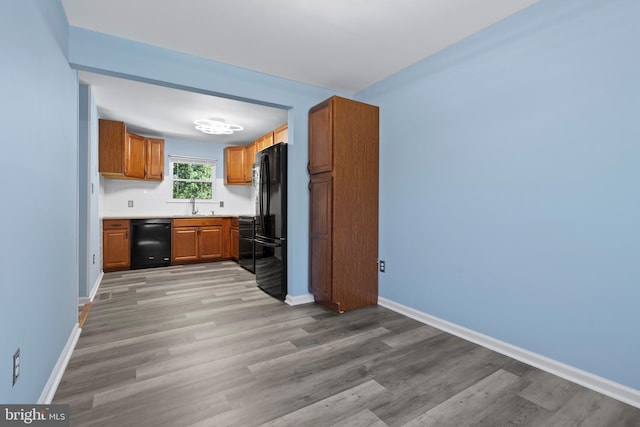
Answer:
(197, 222)
(115, 224)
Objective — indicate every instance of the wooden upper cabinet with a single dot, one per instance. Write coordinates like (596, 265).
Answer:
(135, 156)
(259, 144)
(126, 155)
(320, 133)
(249, 160)
(155, 159)
(234, 165)
(112, 137)
(264, 142)
(281, 134)
(267, 140)
(239, 160)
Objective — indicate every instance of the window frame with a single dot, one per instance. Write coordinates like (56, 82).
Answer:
(193, 160)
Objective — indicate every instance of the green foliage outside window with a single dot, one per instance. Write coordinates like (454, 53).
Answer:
(192, 180)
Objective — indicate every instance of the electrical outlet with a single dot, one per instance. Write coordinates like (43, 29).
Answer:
(221, 204)
(130, 203)
(16, 366)
(382, 266)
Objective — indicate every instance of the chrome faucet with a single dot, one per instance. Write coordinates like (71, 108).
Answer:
(193, 206)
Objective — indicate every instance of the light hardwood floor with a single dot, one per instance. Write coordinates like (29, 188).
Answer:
(201, 345)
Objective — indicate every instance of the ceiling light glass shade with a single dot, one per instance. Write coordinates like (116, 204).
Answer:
(216, 127)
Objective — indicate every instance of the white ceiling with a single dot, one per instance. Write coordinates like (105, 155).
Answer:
(156, 110)
(343, 45)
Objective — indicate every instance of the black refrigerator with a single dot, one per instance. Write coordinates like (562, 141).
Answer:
(270, 244)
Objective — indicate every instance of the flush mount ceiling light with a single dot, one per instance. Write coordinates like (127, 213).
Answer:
(216, 127)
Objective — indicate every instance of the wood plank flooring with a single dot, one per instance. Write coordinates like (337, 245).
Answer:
(201, 345)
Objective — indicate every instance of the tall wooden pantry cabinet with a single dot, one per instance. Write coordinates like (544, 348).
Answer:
(343, 168)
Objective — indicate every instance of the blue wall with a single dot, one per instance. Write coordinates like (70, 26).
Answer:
(98, 52)
(509, 173)
(198, 149)
(39, 176)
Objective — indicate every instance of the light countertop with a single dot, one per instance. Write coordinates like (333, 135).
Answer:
(173, 216)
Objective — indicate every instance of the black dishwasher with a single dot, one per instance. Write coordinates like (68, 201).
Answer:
(150, 243)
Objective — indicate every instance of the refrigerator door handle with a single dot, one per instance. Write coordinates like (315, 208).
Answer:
(261, 193)
(267, 244)
(267, 228)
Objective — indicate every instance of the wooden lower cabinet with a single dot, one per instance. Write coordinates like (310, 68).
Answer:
(200, 240)
(210, 242)
(115, 244)
(184, 244)
(192, 240)
(320, 238)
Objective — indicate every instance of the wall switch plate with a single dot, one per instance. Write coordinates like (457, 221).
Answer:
(382, 266)
(130, 203)
(16, 366)
(221, 204)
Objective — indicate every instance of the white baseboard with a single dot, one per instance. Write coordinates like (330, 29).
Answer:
(299, 299)
(594, 382)
(96, 286)
(56, 375)
(94, 290)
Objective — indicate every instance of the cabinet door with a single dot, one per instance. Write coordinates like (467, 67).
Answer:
(112, 140)
(320, 132)
(320, 236)
(267, 140)
(259, 144)
(210, 242)
(155, 159)
(135, 156)
(116, 249)
(184, 244)
(281, 134)
(234, 165)
(249, 160)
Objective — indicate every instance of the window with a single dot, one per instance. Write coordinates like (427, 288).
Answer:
(193, 177)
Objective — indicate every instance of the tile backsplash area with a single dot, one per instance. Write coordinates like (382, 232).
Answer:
(154, 199)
